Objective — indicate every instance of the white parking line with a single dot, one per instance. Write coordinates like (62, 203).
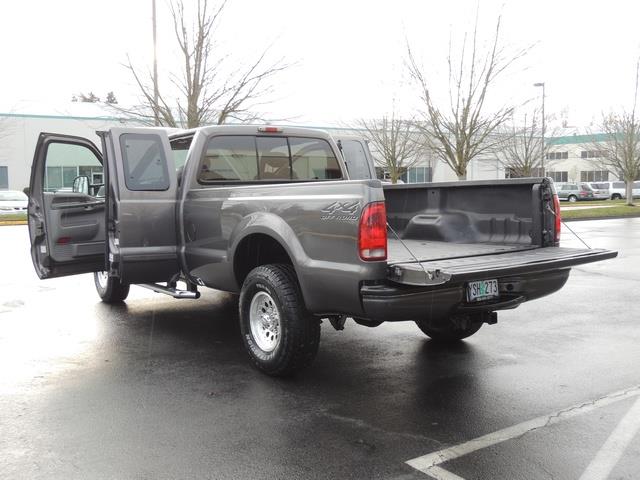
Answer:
(428, 464)
(610, 453)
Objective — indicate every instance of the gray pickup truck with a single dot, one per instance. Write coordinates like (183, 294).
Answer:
(271, 213)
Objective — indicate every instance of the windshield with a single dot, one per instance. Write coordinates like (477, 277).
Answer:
(13, 196)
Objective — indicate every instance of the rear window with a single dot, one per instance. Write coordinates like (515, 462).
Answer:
(244, 158)
(145, 165)
(313, 159)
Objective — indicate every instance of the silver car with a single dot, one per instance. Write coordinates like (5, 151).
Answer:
(13, 201)
(600, 190)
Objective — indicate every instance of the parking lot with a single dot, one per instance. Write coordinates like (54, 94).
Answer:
(161, 389)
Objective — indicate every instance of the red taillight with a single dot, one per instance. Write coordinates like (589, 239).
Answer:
(372, 235)
(556, 208)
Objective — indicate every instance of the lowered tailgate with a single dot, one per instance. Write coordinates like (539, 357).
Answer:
(478, 267)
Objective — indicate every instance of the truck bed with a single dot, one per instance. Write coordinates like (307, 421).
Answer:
(453, 233)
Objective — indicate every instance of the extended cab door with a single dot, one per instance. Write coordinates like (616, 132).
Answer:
(66, 225)
(141, 205)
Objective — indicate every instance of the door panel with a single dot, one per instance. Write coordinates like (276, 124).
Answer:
(142, 205)
(66, 228)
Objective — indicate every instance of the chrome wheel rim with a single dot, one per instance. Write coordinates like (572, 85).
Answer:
(264, 319)
(102, 278)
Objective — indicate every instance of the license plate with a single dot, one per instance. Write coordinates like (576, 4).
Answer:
(482, 290)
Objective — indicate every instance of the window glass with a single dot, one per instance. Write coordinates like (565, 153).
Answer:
(229, 158)
(355, 158)
(145, 165)
(180, 148)
(618, 184)
(64, 162)
(313, 159)
(4, 177)
(273, 159)
(636, 185)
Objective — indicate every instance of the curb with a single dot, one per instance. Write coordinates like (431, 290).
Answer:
(616, 217)
(12, 222)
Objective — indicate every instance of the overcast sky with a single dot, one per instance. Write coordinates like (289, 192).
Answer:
(349, 55)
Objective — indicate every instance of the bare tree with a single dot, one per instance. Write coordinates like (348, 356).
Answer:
(395, 142)
(522, 149)
(206, 90)
(619, 149)
(463, 130)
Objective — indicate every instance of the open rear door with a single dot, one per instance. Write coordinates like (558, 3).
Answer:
(141, 205)
(66, 209)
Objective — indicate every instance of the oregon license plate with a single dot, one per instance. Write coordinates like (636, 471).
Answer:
(482, 290)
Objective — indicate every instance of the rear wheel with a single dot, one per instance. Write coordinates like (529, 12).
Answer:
(109, 288)
(451, 331)
(616, 196)
(280, 335)
(572, 198)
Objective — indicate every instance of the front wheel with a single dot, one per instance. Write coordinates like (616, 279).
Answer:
(280, 335)
(109, 288)
(616, 196)
(451, 331)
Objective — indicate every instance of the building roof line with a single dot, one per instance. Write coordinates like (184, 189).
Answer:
(60, 117)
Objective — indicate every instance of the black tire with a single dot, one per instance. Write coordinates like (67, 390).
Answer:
(448, 331)
(110, 289)
(298, 332)
(572, 198)
(616, 196)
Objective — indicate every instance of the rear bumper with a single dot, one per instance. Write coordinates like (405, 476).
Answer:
(394, 302)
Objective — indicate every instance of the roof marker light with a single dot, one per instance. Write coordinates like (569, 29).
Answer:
(270, 129)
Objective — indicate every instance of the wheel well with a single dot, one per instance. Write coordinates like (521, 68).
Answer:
(255, 250)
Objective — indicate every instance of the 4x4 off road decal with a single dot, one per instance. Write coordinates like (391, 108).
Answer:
(341, 211)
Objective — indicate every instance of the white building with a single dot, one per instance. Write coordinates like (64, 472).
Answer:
(572, 156)
(19, 130)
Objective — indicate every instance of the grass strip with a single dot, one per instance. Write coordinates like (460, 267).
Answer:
(596, 213)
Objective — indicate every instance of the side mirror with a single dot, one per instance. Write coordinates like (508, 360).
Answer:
(81, 184)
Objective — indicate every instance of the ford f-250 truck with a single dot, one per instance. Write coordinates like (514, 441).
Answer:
(270, 213)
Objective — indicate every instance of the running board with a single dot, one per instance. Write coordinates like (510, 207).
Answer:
(173, 292)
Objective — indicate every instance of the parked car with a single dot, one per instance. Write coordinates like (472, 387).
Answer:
(13, 201)
(600, 190)
(618, 190)
(573, 192)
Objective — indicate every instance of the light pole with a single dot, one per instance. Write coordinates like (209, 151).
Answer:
(541, 84)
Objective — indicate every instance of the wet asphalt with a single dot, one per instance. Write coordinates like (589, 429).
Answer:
(161, 389)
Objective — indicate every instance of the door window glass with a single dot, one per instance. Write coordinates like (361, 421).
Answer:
(65, 162)
(313, 159)
(145, 164)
